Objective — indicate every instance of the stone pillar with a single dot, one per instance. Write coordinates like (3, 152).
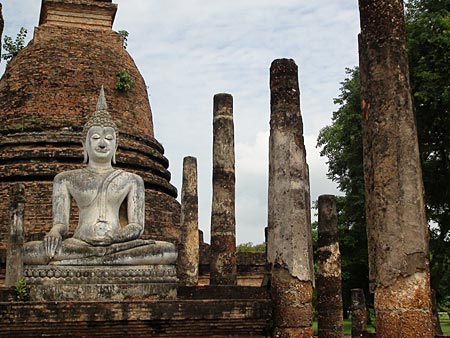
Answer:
(289, 247)
(223, 223)
(395, 208)
(14, 260)
(328, 281)
(2, 24)
(189, 255)
(359, 313)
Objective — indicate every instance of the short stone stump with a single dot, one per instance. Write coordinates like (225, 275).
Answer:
(100, 283)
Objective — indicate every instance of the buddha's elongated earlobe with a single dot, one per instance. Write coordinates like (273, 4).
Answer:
(85, 154)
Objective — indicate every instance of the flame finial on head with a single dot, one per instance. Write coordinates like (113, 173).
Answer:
(101, 102)
(100, 118)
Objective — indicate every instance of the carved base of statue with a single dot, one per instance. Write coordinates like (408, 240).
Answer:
(76, 252)
(100, 283)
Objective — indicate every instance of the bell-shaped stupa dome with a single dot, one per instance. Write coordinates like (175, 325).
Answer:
(46, 95)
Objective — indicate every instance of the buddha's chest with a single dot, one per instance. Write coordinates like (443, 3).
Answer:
(99, 191)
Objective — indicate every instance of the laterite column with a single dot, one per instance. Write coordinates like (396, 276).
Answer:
(395, 207)
(189, 255)
(2, 24)
(359, 313)
(328, 280)
(14, 260)
(289, 247)
(223, 223)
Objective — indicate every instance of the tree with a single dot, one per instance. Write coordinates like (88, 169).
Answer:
(124, 35)
(341, 142)
(428, 36)
(250, 247)
(11, 47)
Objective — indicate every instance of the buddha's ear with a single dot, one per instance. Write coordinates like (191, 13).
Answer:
(85, 154)
(113, 160)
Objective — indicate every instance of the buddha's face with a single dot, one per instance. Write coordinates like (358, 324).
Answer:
(100, 144)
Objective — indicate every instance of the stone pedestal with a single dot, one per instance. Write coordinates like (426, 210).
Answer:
(100, 283)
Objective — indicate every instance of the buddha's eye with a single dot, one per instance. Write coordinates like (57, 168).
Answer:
(109, 137)
(95, 136)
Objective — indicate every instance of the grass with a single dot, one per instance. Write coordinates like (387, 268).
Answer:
(347, 327)
(445, 324)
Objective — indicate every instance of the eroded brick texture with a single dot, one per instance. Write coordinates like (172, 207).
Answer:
(395, 209)
(328, 279)
(293, 310)
(223, 222)
(46, 95)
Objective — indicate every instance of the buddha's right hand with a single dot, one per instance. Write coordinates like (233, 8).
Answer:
(52, 241)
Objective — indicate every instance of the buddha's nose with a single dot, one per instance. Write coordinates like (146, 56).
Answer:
(102, 144)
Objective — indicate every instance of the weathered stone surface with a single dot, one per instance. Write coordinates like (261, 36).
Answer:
(403, 309)
(46, 94)
(2, 24)
(289, 245)
(328, 279)
(292, 300)
(359, 313)
(395, 207)
(111, 207)
(189, 253)
(95, 283)
(223, 222)
(14, 259)
(289, 237)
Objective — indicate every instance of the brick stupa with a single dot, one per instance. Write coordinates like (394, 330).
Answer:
(46, 95)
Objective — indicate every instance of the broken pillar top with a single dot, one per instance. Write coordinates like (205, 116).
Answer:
(223, 104)
(382, 19)
(284, 85)
(90, 14)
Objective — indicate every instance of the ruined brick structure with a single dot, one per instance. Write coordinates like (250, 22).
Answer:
(46, 94)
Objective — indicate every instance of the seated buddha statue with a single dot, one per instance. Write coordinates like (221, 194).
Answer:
(99, 191)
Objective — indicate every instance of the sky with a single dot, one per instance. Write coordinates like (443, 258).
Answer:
(187, 51)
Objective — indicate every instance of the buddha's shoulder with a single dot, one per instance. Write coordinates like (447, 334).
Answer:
(69, 175)
(131, 177)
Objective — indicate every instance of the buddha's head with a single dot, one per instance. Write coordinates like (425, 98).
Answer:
(100, 135)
